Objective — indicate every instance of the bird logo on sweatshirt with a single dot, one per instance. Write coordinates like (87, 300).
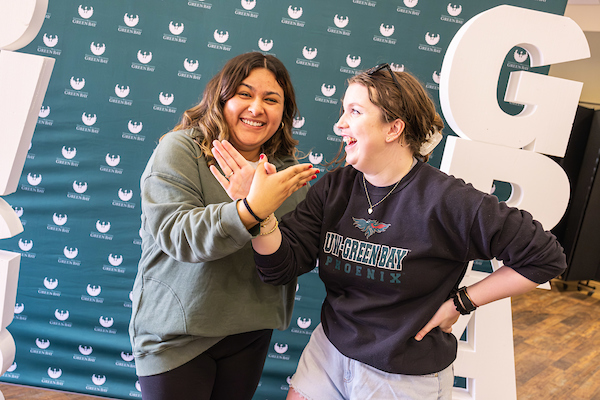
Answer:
(371, 226)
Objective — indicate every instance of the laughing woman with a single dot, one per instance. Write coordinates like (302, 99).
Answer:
(393, 236)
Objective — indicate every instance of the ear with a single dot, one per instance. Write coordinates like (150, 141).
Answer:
(396, 129)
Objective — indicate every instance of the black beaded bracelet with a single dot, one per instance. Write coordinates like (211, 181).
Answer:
(251, 212)
(463, 302)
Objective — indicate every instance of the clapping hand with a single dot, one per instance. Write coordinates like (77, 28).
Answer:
(266, 189)
(238, 172)
(269, 190)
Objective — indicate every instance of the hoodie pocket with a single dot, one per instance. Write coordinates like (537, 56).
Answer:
(159, 317)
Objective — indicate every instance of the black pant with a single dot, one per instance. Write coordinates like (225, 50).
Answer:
(230, 370)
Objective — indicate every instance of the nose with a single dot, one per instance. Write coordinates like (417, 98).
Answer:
(338, 126)
(255, 106)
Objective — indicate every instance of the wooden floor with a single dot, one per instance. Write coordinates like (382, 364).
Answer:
(557, 348)
(557, 344)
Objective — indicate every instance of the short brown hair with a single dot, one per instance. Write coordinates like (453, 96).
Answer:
(410, 102)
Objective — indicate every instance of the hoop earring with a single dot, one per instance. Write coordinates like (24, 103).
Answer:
(282, 125)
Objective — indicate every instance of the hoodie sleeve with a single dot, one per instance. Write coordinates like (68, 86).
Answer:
(174, 188)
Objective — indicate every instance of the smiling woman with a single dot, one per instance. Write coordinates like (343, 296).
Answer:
(254, 113)
(201, 318)
(211, 118)
(392, 237)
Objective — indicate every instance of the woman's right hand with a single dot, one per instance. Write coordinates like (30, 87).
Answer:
(269, 188)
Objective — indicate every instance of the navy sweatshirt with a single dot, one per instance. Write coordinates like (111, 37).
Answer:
(387, 273)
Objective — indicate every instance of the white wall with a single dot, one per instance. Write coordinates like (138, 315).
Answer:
(587, 15)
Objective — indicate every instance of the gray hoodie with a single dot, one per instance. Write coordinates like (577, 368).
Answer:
(196, 280)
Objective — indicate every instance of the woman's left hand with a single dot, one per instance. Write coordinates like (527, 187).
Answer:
(238, 172)
(445, 317)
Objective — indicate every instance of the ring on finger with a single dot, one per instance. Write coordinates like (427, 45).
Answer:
(228, 176)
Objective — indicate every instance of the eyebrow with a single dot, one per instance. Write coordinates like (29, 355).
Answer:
(252, 88)
(354, 104)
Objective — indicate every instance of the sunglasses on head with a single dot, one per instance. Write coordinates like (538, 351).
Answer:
(379, 67)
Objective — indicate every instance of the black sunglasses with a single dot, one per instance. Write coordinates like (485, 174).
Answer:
(379, 67)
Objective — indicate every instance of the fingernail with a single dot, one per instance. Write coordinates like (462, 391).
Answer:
(262, 156)
(314, 177)
(318, 171)
(304, 185)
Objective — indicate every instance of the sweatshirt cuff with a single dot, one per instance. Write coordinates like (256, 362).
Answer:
(272, 260)
(232, 224)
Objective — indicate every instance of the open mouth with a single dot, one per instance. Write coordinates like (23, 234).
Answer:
(252, 123)
(349, 140)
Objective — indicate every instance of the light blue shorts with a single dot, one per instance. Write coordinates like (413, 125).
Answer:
(324, 373)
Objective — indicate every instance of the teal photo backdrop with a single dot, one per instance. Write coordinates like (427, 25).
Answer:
(124, 73)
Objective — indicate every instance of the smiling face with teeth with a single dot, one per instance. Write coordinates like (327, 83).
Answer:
(365, 132)
(254, 113)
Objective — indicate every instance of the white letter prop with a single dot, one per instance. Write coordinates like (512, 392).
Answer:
(10, 224)
(9, 278)
(495, 145)
(482, 163)
(25, 79)
(486, 358)
(468, 86)
(20, 22)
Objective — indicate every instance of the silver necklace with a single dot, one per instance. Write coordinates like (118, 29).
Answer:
(371, 206)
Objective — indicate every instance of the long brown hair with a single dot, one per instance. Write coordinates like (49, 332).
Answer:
(207, 116)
